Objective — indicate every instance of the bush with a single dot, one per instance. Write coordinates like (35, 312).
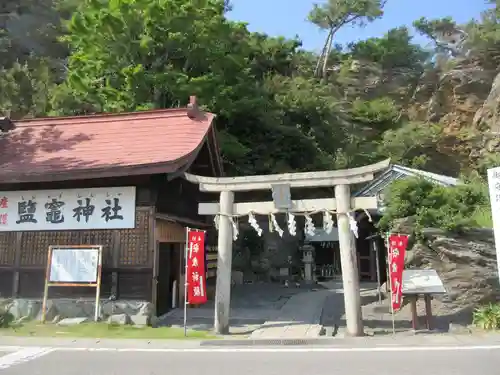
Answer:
(452, 208)
(487, 317)
(6, 319)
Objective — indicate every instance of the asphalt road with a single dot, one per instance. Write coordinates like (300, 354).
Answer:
(295, 361)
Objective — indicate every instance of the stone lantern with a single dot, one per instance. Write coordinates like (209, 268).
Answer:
(308, 260)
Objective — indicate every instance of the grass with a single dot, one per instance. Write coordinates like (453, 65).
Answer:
(482, 217)
(101, 330)
(487, 317)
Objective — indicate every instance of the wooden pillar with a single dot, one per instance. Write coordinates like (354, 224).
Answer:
(428, 311)
(348, 258)
(17, 264)
(115, 259)
(224, 264)
(156, 271)
(414, 316)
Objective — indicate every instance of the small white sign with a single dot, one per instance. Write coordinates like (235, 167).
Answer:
(68, 209)
(320, 235)
(74, 265)
(494, 187)
(422, 282)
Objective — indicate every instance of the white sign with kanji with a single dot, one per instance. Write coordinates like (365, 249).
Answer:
(68, 209)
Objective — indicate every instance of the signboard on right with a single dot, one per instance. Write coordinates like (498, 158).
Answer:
(422, 282)
(494, 187)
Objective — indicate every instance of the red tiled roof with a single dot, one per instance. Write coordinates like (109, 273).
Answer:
(95, 146)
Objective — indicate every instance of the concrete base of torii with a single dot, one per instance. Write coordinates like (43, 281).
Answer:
(342, 204)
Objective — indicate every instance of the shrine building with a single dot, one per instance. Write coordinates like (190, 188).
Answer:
(109, 179)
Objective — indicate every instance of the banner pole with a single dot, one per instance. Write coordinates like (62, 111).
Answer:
(46, 286)
(377, 261)
(390, 283)
(186, 280)
(98, 287)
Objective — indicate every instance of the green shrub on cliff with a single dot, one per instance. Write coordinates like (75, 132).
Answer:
(487, 317)
(433, 206)
(6, 318)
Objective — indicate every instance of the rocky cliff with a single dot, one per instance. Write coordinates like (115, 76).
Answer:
(466, 101)
(466, 264)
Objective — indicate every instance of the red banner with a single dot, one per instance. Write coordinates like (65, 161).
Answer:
(196, 279)
(397, 248)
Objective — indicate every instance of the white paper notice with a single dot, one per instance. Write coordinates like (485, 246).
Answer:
(74, 265)
(494, 187)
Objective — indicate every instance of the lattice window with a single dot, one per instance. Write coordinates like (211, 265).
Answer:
(134, 243)
(30, 252)
(7, 248)
(99, 237)
(35, 245)
(105, 238)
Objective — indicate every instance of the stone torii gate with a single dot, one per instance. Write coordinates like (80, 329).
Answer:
(342, 204)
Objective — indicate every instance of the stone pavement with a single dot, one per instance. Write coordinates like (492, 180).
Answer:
(333, 316)
(300, 317)
(306, 314)
(252, 305)
(265, 310)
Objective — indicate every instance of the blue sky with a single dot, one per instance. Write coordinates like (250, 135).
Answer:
(289, 17)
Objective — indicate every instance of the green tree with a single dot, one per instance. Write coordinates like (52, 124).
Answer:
(393, 51)
(483, 40)
(445, 34)
(335, 14)
(453, 208)
(25, 89)
(269, 118)
(411, 144)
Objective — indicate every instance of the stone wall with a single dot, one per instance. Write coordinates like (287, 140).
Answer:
(140, 312)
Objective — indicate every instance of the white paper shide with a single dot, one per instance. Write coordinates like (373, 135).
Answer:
(68, 209)
(74, 265)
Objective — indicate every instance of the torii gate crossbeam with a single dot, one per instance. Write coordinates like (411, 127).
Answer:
(226, 208)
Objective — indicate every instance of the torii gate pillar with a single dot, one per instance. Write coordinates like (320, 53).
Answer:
(348, 263)
(342, 203)
(224, 264)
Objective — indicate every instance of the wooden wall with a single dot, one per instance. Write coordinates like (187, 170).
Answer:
(180, 198)
(167, 231)
(127, 260)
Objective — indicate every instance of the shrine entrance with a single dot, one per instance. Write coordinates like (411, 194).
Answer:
(227, 212)
(327, 264)
(371, 249)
